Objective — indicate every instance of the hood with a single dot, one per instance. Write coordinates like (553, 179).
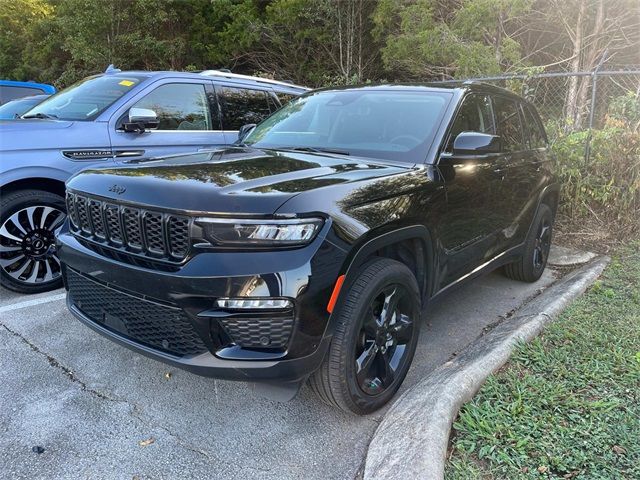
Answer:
(39, 134)
(235, 180)
(36, 134)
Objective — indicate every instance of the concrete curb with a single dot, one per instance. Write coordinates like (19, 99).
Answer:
(411, 441)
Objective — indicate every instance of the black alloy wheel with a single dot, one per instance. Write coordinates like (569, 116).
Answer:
(28, 226)
(530, 265)
(542, 245)
(377, 324)
(383, 341)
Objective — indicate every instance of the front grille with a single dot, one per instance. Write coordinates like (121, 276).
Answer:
(259, 332)
(135, 230)
(157, 326)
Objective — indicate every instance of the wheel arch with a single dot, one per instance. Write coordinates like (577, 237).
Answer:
(51, 185)
(410, 245)
(551, 197)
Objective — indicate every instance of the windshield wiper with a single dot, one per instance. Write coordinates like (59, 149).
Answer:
(315, 150)
(40, 115)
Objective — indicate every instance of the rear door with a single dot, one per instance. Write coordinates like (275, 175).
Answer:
(518, 165)
(188, 115)
(242, 105)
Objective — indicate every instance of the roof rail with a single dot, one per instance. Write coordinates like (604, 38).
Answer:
(226, 74)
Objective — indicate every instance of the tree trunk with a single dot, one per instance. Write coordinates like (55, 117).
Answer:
(571, 99)
(591, 59)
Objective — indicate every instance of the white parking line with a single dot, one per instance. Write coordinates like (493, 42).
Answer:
(31, 303)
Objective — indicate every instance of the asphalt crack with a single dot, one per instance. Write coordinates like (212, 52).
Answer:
(135, 410)
(56, 364)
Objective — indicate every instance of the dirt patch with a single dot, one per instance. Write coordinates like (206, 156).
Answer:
(591, 235)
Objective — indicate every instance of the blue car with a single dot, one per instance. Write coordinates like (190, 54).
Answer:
(12, 90)
(16, 108)
(108, 119)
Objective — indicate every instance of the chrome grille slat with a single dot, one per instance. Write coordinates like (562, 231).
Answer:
(137, 231)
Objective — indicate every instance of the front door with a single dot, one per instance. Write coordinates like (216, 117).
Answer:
(189, 122)
(474, 213)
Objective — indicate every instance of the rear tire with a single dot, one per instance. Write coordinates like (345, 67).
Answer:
(29, 220)
(530, 265)
(374, 341)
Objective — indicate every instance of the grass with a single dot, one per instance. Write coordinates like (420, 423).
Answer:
(568, 404)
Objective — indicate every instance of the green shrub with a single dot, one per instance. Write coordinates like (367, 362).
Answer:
(625, 111)
(607, 189)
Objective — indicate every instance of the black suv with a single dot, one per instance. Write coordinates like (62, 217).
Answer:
(309, 250)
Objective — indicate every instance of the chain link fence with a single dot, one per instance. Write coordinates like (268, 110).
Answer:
(593, 123)
(580, 101)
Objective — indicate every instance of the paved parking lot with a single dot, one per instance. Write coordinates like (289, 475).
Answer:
(101, 411)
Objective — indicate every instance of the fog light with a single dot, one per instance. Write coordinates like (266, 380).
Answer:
(248, 303)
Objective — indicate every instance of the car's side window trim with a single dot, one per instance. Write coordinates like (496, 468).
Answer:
(448, 141)
(529, 111)
(121, 114)
(527, 131)
(215, 108)
(523, 135)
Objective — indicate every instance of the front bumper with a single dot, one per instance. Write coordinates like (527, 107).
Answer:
(170, 314)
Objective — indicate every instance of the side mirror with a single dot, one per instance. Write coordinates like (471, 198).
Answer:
(476, 143)
(245, 130)
(141, 119)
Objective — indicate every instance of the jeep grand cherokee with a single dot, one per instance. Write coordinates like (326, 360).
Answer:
(310, 249)
(103, 120)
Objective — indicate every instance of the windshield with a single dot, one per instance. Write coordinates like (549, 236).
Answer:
(14, 108)
(392, 125)
(86, 99)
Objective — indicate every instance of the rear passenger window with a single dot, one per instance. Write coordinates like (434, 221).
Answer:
(179, 106)
(8, 93)
(537, 138)
(286, 97)
(508, 124)
(474, 116)
(241, 106)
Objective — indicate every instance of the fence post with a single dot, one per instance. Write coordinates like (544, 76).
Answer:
(592, 107)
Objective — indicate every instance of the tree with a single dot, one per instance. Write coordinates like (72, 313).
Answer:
(131, 35)
(573, 35)
(17, 21)
(426, 38)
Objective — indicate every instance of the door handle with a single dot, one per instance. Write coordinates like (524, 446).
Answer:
(128, 153)
(210, 149)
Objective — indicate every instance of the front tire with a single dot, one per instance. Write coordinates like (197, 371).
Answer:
(530, 265)
(374, 341)
(29, 220)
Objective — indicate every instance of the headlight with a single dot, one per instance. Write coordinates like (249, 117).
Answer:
(259, 233)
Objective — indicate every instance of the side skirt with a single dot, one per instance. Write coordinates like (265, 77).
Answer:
(501, 259)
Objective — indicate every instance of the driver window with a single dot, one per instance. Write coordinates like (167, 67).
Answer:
(475, 115)
(179, 106)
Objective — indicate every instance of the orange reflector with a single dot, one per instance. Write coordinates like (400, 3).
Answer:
(334, 295)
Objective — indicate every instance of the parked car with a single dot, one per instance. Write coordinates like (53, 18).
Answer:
(12, 90)
(14, 109)
(310, 249)
(114, 118)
